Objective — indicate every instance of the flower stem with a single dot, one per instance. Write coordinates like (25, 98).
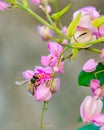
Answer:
(47, 14)
(65, 49)
(42, 115)
(100, 40)
(67, 57)
(55, 29)
(94, 50)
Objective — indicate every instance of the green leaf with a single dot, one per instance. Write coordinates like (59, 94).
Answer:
(61, 13)
(80, 119)
(75, 53)
(89, 127)
(12, 1)
(73, 25)
(25, 3)
(98, 22)
(85, 77)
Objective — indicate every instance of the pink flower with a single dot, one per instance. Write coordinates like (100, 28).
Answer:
(90, 65)
(87, 15)
(85, 32)
(43, 88)
(36, 2)
(52, 59)
(43, 93)
(44, 74)
(90, 109)
(49, 60)
(54, 48)
(45, 32)
(3, 6)
(94, 85)
(101, 31)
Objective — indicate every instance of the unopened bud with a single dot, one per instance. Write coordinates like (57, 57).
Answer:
(45, 32)
(90, 108)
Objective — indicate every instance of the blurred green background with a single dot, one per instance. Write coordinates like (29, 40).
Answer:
(21, 49)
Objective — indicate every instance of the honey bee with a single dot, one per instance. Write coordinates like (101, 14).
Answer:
(32, 84)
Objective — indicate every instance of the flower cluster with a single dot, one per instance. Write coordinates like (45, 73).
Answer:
(92, 106)
(87, 27)
(46, 83)
(45, 86)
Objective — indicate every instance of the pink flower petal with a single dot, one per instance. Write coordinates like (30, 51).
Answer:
(36, 2)
(101, 31)
(87, 10)
(28, 74)
(90, 65)
(3, 5)
(94, 85)
(87, 15)
(59, 69)
(43, 93)
(64, 30)
(102, 54)
(99, 120)
(48, 8)
(48, 70)
(55, 48)
(45, 60)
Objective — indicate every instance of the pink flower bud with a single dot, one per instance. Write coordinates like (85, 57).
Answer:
(55, 85)
(90, 108)
(3, 5)
(94, 85)
(45, 32)
(48, 8)
(64, 30)
(90, 65)
(42, 93)
(65, 42)
(36, 2)
(101, 31)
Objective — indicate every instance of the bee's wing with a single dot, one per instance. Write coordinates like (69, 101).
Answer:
(21, 82)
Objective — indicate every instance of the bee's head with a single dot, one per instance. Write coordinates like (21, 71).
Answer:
(34, 79)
